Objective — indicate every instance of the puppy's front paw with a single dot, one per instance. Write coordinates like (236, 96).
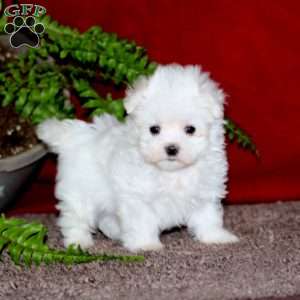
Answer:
(149, 246)
(152, 247)
(79, 239)
(218, 236)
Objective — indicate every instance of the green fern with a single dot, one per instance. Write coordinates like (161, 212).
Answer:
(237, 134)
(25, 243)
(93, 101)
(37, 85)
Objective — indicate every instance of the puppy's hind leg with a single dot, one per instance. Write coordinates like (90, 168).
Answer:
(109, 225)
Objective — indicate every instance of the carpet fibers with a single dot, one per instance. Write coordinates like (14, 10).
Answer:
(265, 264)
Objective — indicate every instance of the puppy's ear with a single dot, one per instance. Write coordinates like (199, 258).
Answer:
(135, 94)
(215, 106)
(209, 92)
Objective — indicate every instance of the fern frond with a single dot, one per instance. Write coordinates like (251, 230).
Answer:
(25, 243)
(237, 134)
(36, 85)
(93, 101)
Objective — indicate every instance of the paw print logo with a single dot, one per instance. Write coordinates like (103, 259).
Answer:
(24, 31)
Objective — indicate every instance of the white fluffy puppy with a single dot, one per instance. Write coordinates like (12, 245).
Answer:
(164, 167)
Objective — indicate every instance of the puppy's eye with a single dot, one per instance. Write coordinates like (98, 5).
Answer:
(190, 130)
(155, 130)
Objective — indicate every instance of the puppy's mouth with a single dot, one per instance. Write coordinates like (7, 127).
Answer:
(172, 159)
(176, 159)
(171, 164)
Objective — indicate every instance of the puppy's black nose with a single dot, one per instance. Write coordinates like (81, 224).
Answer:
(172, 150)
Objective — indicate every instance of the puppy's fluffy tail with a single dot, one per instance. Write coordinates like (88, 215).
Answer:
(65, 134)
(59, 135)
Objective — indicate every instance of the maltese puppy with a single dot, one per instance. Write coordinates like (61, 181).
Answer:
(164, 167)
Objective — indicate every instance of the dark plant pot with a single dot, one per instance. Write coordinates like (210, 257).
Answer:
(15, 170)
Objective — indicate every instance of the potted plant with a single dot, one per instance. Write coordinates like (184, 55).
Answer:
(36, 85)
(20, 152)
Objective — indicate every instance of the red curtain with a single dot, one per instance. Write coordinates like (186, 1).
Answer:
(250, 47)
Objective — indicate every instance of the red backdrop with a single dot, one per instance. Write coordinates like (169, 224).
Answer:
(251, 47)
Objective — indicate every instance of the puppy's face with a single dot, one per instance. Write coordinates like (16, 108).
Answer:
(173, 111)
(173, 143)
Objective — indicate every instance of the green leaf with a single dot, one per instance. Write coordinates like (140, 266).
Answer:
(97, 112)
(25, 242)
(89, 93)
(16, 75)
(63, 54)
(27, 110)
(90, 56)
(132, 75)
(117, 109)
(3, 243)
(48, 258)
(92, 104)
(8, 98)
(12, 232)
(26, 256)
(80, 85)
(243, 139)
(53, 48)
(15, 252)
(111, 63)
(37, 257)
(22, 98)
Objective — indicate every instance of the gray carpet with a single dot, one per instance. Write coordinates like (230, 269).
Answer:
(265, 264)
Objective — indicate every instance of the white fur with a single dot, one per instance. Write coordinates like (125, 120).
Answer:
(117, 176)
